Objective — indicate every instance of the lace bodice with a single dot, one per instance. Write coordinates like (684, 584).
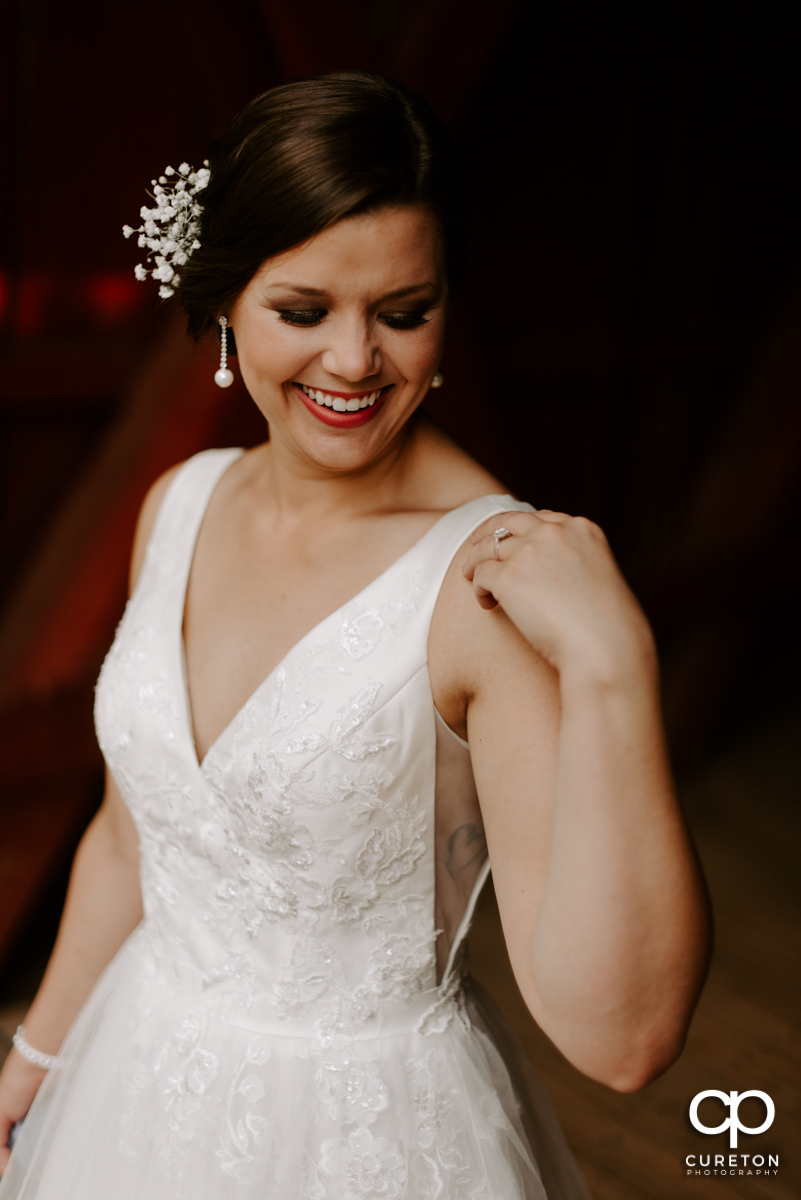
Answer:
(289, 879)
(289, 1020)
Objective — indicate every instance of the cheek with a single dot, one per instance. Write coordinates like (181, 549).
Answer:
(419, 353)
(269, 351)
(428, 352)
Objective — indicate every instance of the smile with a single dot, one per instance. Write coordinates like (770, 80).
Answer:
(340, 403)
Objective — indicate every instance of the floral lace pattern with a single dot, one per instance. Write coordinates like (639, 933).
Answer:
(288, 884)
(371, 1166)
(442, 1168)
(244, 1130)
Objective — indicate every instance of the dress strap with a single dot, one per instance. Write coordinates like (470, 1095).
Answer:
(169, 550)
(445, 537)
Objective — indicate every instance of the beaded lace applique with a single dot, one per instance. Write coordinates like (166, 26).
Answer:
(288, 884)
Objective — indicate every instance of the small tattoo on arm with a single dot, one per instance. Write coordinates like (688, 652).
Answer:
(465, 845)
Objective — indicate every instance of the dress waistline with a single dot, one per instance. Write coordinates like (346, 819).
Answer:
(428, 1012)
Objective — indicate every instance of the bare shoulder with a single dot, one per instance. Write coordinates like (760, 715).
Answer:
(147, 517)
(449, 476)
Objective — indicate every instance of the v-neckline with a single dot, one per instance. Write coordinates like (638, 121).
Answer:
(199, 762)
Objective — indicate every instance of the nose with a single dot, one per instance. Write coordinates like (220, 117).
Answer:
(353, 351)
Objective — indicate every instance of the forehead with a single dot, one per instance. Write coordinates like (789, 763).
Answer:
(396, 246)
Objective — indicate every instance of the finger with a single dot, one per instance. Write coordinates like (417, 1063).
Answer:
(489, 549)
(517, 523)
(485, 578)
(514, 521)
(547, 514)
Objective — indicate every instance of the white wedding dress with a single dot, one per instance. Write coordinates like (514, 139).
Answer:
(275, 1029)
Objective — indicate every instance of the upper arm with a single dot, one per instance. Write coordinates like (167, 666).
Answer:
(485, 674)
(144, 526)
(513, 716)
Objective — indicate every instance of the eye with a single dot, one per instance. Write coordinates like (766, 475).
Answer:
(301, 316)
(404, 320)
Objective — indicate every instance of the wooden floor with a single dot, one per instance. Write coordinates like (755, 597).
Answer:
(744, 812)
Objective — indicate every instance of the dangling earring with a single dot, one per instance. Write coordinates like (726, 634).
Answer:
(437, 379)
(223, 377)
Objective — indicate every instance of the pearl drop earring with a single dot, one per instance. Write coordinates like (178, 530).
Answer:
(437, 379)
(223, 377)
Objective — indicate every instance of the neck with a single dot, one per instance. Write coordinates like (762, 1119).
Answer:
(297, 490)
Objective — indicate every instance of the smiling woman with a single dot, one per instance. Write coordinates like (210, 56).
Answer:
(330, 319)
(352, 672)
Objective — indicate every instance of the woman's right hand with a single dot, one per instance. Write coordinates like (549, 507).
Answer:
(19, 1083)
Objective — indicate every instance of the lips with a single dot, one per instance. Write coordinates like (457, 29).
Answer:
(343, 410)
(341, 401)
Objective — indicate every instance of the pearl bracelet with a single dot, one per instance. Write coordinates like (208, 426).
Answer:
(36, 1058)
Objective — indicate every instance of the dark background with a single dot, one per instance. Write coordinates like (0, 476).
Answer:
(627, 344)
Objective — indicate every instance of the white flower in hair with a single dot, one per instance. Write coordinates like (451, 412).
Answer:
(169, 231)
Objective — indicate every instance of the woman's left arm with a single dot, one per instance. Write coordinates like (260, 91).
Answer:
(603, 904)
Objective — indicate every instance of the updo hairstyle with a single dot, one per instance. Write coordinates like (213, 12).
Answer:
(305, 155)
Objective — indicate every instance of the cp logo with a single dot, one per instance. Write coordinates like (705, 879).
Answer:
(732, 1122)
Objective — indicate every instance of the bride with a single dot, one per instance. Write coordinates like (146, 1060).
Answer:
(352, 672)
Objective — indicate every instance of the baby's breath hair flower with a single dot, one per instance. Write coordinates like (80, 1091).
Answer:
(169, 231)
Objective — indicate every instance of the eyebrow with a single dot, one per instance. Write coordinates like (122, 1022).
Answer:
(397, 294)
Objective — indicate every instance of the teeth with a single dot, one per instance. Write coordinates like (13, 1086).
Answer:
(338, 403)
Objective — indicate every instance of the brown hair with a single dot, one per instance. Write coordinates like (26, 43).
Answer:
(308, 154)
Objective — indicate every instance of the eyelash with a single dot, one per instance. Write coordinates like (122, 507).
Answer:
(306, 318)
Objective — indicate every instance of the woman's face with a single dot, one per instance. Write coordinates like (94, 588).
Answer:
(337, 340)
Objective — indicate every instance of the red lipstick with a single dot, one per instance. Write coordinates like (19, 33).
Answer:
(342, 420)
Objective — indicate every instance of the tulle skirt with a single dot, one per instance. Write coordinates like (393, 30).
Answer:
(157, 1101)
